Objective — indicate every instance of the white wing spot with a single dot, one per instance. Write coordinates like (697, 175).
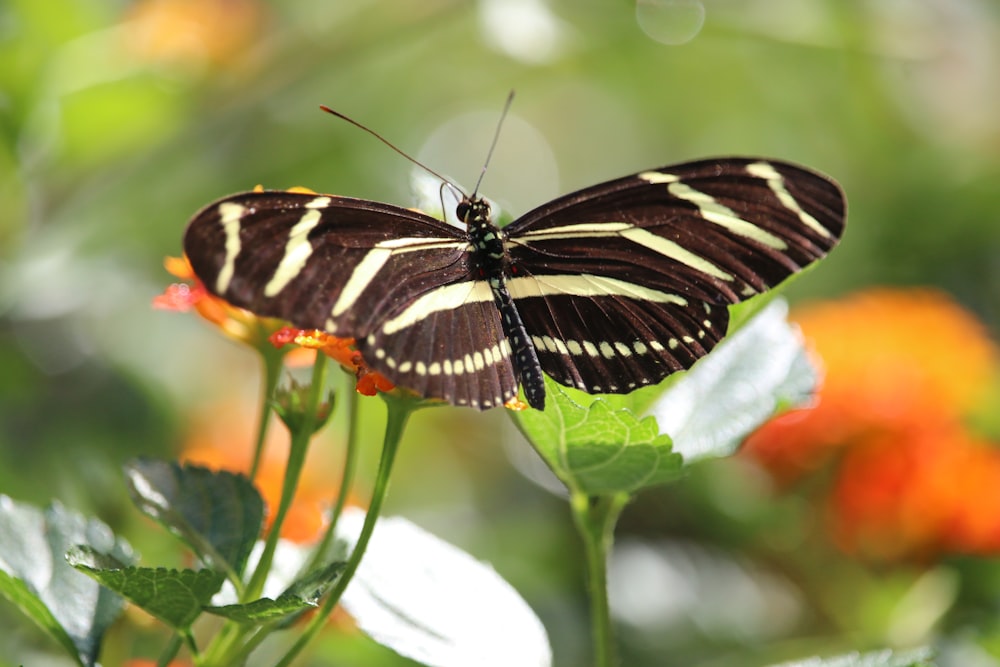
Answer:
(640, 347)
(319, 202)
(607, 351)
(590, 348)
(673, 343)
(656, 345)
(434, 368)
(405, 367)
(623, 349)
(421, 368)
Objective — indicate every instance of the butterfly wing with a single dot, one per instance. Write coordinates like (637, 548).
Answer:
(401, 283)
(625, 282)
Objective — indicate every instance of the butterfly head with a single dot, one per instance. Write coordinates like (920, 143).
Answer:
(473, 211)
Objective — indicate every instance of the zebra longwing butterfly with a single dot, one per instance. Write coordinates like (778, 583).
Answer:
(607, 289)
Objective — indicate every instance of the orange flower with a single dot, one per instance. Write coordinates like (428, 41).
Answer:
(892, 358)
(903, 369)
(916, 494)
(239, 324)
(340, 350)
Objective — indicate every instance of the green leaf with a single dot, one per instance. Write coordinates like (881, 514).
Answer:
(598, 449)
(301, 595)
(73, 609)
(219, 514)
(759, 370)
(886, 658)
(176, 597)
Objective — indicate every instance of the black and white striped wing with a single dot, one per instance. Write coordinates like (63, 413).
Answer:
(401, 283)
(623, 283)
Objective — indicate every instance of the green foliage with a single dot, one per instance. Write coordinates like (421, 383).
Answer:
(598, 450)
(35, 576)
(300, 596)
(886, 658)
(176, 597)
(218, 514)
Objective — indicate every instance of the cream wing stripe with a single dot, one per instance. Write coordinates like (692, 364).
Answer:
(637, 235)
(230, 215)
(776, 182)
(448, 297)
(297, 251)
(586, 285)
(713, 211)
(368, 268)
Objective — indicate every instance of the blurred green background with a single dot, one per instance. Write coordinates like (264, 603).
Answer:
(120, 119)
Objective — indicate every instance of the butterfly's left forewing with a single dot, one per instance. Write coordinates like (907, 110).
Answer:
(625, 282)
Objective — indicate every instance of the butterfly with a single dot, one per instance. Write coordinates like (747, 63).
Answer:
(607, 289)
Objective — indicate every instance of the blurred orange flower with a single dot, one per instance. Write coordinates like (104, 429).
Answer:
(221, 438)
(903, 369)
(193, 32)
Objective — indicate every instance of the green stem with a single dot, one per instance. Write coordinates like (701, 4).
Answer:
(346, 479)
(298, 448)
(400, 407)
(595, 518)
(272, 360)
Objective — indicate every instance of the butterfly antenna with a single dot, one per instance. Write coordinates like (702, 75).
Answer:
(388, 143)
(493, 144)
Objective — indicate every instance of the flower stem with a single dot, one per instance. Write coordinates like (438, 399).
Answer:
(298, 448)
(272, 361)
(400, 407)
(595, 518)
(346, 479)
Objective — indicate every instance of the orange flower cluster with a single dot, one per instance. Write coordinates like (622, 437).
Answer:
(340, 350)
(904, 369)
(243, 326)
(239, 324)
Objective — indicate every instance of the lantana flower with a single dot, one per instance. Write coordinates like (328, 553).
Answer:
(245, 327)
(236, 323)
(340, 350)
(904, 369)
